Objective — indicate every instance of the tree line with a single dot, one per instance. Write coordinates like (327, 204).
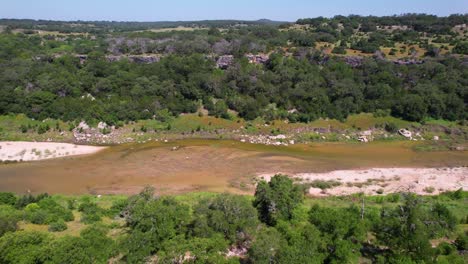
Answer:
(276, 227)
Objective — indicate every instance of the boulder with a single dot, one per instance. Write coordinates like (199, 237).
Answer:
(406, 133)
(83, 126)
(102, 125)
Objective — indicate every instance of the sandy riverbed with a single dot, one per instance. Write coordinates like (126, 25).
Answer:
(28, 151)
(386, 180)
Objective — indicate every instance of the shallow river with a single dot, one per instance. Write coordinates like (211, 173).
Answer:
(206, 165)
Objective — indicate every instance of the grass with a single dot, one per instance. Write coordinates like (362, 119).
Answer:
(10, 128)
(21, 128)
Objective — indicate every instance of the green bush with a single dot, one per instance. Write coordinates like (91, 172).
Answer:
(58, 226)
(7, 198)
(462, 242)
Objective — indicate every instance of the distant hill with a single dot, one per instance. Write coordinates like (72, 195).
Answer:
(85, 26)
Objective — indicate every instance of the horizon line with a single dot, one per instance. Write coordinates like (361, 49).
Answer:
(229, 19)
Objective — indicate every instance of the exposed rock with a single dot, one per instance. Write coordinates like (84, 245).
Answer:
(354, 61)
(83, 126)
(277, 137)
(102, 125)
(363, 139)
(258, 58)
(224, 61)
(88, 96)
(408, 62)
(406, 133)
(366, 133)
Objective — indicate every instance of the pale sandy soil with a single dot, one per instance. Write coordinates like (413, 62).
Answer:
(386, 180)
(28, 151)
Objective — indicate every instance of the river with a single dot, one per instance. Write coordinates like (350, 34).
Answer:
(206, 165)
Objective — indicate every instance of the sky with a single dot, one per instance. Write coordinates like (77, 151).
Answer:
(177, 10)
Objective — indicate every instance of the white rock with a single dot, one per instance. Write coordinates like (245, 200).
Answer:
(102, 125)
(406, 133)
(83, 125)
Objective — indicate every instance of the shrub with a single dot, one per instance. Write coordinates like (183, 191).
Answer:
(43, 128)
(7, 198)
(461, 242)
(322, 184)
(58, 226)
(91, 212)
(429, 189)
(391, 127)
(24, 128)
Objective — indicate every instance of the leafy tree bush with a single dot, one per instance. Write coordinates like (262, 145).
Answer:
(277, 199)
(405, 232)
(461, 48)
(9, 218)
(7, 198)
(343, 238)
(27, 199)
(231, 215)
(91, 212)
(58, 226)
(24, 247)
(152, 221)
(265, 247)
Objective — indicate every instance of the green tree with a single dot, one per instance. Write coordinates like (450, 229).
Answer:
(9, 218)
(151, 221)
(343, 230)
(25, 247)
(231, 215)
(265, 247)
(277, 199)
(404, 230)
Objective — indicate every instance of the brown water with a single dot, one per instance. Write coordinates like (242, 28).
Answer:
(208, 165)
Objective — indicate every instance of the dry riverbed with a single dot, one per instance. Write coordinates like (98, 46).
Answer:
(29, 151)
(383, 181)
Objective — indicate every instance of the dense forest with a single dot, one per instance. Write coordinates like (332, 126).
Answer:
(276, 226)
(76, 76)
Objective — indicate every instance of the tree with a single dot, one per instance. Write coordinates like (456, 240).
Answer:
(231, 215)
(200, 250)
(304, 244)
(24, 247)
(461, 48)
(265, 247)
(151, 221)
(405, 231)
(277, 199)
(7, 198)
(9, 218)
(411, 107)
(68, 249)
(343, 230)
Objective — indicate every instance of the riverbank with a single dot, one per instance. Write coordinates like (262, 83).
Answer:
(433, 135)
(423, 181)
(30, 151)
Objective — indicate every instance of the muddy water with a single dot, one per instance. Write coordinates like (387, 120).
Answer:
(208, 165)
